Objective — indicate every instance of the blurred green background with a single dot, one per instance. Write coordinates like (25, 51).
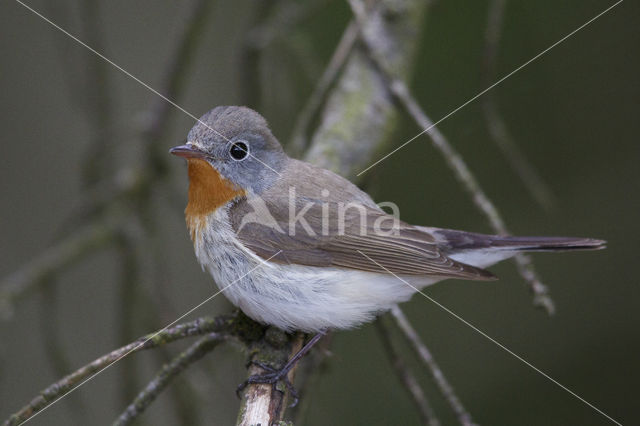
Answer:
(573, 112)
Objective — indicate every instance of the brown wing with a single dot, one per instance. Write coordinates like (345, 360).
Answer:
(321, 240)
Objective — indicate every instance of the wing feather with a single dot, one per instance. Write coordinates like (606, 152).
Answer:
(405, 251)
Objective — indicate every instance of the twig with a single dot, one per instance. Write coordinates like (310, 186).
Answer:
(455, 161)
(405, 375)
(479, 197)
(425, 356)
(336, 63)
(221, 324)
(495, 123)
(166, 375)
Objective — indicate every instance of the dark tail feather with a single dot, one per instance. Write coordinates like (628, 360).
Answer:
(460, 240)
(547, 243)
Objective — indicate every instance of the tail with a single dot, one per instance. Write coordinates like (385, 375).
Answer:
(482, 250)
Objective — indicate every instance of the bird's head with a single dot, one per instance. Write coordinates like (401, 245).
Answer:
(237, 143)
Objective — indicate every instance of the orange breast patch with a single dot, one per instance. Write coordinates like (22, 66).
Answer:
(207, 192)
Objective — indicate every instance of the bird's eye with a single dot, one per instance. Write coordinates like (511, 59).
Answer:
(239, 151)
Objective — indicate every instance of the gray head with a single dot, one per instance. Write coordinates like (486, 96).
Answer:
(237, 142)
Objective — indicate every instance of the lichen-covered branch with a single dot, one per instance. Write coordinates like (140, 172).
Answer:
(264, 403)
(166, 375)
(359, 114)
(222, 325)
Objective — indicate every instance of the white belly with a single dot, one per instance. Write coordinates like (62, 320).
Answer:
(295, 297)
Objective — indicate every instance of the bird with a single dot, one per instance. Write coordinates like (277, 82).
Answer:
(301, 248)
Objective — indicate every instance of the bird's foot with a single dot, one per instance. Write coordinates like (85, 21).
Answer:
(271, 377)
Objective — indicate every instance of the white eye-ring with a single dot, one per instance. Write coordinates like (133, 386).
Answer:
(239, 150)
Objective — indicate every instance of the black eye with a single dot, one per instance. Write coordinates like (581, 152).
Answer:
(239, 151)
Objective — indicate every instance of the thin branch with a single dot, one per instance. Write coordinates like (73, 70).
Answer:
(479, 197)
(408, 380)
(336, 63)
(438, 376)
(221, 324)
(495, 123)
(455, 161)
(166, 375)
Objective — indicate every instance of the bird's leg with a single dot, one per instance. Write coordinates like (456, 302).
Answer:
(273, 376)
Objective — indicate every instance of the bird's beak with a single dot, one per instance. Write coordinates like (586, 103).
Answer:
(187, 151)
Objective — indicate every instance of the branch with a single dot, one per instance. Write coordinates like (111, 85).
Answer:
(263, 403)
(425, 356)
(166, 375)
(219, 325)
(405, 375)
(359, 114)
(495, 123)
(455, 161)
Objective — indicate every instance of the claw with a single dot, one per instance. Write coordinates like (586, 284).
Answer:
(272, 377)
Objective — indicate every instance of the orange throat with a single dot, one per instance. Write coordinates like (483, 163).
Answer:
(207, 192)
